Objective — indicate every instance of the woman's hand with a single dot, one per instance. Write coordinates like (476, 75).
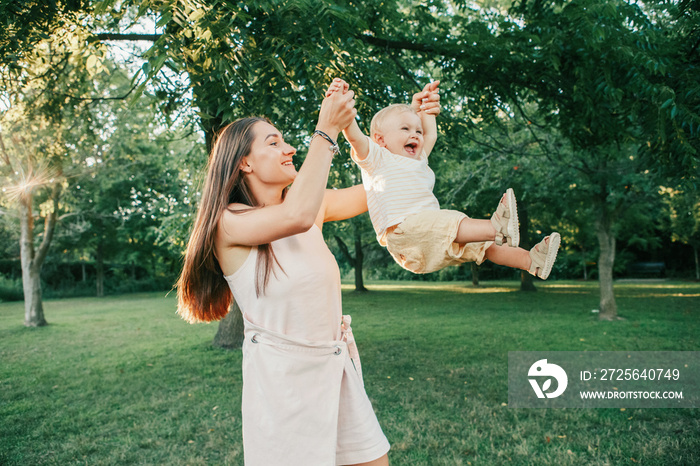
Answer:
(337, 109)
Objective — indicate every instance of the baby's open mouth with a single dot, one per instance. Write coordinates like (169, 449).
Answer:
(411, 148)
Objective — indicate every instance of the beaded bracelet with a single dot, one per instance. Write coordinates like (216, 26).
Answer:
(334, 145)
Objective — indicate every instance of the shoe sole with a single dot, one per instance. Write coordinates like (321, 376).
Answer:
(513, 226)
(552, 249)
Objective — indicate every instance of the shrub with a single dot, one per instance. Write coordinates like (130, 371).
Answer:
(11, 289)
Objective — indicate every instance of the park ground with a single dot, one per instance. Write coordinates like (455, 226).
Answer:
(122, 380)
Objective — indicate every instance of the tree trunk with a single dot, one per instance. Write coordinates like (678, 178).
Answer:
(359, 282)
(475, 274)
(33, 309)
(526, 279)
(606, 261)
(230, 333)
(527, 282)
(359, 258)
(33, 306)
(99, 272)
(31, 259)
(697, 264)
(583, 263)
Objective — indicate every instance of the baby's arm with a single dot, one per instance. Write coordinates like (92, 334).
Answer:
(358, 140)
(427, 104)
(353, 133)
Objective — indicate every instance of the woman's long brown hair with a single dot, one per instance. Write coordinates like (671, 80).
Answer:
(202, 292)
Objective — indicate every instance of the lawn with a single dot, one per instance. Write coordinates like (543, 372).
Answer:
(122, 380)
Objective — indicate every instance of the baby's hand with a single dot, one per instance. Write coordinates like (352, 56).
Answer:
(337, 85)
(428, 100)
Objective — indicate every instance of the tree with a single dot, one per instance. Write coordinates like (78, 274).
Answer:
(598, 69)
(48, 80)
(26, 179)
(30, 183)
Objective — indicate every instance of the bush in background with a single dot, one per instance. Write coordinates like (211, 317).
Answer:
(11, 289)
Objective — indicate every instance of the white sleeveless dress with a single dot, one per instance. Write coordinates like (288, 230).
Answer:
(304, 401)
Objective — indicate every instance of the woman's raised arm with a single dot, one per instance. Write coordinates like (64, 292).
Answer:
(300, 207)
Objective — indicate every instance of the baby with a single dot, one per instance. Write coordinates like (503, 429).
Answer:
(405, 213)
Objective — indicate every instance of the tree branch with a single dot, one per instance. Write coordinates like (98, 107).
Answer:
(500, 149)
(127, 37)
(406, 45)
(49, 227)
(98, 99)
(71, 214)
(528, 125)
(405, 72)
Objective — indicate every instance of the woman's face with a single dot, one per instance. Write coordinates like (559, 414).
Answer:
(270, 158)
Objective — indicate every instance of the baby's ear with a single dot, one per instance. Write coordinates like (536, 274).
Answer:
(379, 139)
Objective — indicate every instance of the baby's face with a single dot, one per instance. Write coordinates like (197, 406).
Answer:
(402, 134)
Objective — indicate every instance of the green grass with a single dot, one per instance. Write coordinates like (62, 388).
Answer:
(123, 381)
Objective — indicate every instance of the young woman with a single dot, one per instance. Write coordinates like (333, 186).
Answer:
(260, 240)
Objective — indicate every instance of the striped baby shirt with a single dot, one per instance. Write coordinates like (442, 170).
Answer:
(396, 187)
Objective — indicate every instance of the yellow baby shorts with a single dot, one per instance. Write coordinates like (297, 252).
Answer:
(424, 242)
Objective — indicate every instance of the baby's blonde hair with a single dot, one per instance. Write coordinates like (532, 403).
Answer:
(380, 117)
